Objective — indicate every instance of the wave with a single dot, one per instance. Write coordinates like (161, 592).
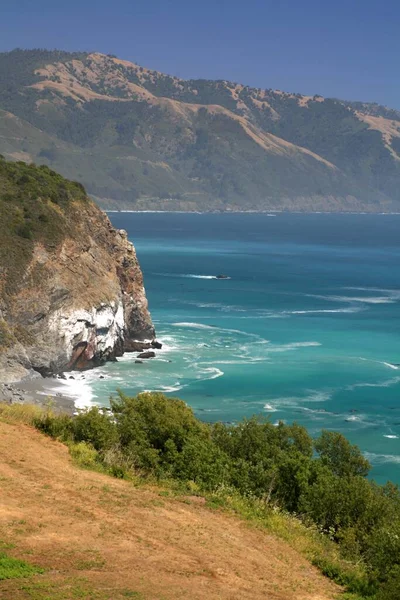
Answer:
(361, 299)
(170, 388)
(391, 436)
(270, 408)
(318, 396)
(380, 362)
(384, 384)
(294, 401)
(215, 328)
(293, 346)
(390, 291)
(215, 373)
(194, 325)
(216, 305)
(327, 310)
(78, 390)
(395, 367)
(382, 459)
(191, 276)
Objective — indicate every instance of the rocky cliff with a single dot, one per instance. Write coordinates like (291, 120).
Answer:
(71, 288)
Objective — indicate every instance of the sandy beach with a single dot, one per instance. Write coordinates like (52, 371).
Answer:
(41, 391)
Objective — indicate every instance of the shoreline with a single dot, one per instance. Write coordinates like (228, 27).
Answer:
(271, 212)
(44, 392)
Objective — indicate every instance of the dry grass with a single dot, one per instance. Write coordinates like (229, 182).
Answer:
(99, 537)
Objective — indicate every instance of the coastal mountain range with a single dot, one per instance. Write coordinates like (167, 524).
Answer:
(142, 140)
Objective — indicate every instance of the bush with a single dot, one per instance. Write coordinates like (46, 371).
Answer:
(259, 465)
(85, 455)
(96, 427)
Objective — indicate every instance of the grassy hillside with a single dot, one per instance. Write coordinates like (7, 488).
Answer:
(76, 534)
(313, 494)
(140, 139)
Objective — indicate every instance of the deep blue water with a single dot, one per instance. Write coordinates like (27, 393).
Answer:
(306, 329)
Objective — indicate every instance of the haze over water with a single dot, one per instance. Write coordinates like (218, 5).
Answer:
(306, 329)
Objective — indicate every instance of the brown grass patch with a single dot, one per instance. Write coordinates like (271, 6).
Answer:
(103, 538)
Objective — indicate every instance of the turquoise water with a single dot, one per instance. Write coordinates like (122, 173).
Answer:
(306, 329)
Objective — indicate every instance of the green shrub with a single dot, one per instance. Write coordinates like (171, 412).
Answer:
(85, 455)
(257, 468)
(390, 590)
(57, 426)
(96, 427)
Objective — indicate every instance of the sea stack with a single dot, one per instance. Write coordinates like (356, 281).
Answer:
(71, 288)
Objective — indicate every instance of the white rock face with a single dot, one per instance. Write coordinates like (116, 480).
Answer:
(102, 327)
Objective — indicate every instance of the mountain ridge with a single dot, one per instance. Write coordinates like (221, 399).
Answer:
(139, 139)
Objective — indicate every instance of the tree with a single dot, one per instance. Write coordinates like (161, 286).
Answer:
(343, 458)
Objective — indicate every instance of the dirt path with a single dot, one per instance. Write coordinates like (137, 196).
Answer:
(101, 538)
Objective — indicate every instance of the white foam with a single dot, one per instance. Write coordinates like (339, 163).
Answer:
(381, 459)
(322, 311)
(191, 276)
(78, 390)
(171, 388)
(214, 373)
(318, 396)
(391, 292)
(391, 437)
(379, 362)
(293, 346)
(260, 340)
(361, 299)
(384, 384)
(270, 408)
(194, 325)
(294, 401)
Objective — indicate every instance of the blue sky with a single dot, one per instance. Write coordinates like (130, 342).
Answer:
(348, 49)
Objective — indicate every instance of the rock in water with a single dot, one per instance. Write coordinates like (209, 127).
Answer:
(134, 346)
(71, 293)
(147, 355)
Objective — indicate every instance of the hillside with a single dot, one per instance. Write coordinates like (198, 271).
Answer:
(71, 288)
(99, 538)
(139, 139)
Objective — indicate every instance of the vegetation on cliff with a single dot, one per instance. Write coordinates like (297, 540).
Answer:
(71, 288)
(141, 139)
(323, 482)
(35, 206)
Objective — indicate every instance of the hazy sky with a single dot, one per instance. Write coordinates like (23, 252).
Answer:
(344, 48)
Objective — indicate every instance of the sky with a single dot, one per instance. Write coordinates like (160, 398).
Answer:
(345, 49)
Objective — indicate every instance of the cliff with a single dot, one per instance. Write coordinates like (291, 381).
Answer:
(71, 288)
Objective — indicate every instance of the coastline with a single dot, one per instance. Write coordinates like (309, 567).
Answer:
(45, 392)
(268, 213)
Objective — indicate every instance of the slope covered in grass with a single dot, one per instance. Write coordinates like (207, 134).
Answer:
(98, 537)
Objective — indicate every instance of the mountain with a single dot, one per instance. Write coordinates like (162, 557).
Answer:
(139, 139)
(71, 289)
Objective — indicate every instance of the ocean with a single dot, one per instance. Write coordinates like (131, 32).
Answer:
(305, 328)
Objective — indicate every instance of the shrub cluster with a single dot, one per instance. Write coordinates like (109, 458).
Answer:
(36, 205)
(323, 481)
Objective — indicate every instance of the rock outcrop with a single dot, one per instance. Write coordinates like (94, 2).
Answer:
(78, 301)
